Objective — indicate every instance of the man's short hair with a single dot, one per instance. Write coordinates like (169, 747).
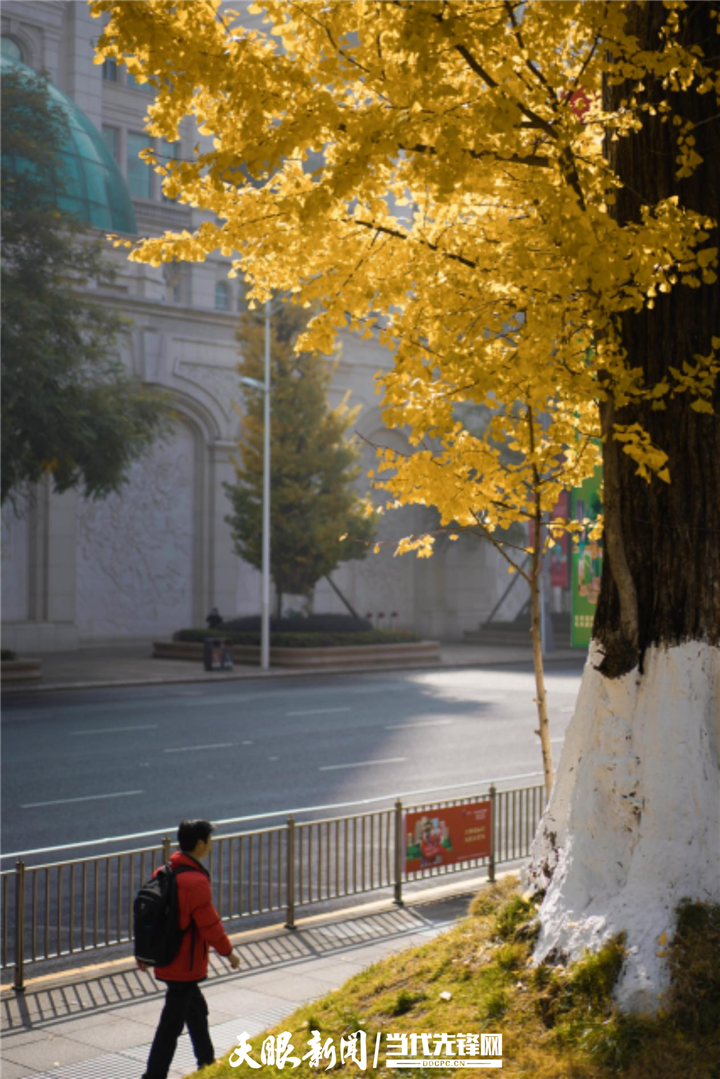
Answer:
(191, 832)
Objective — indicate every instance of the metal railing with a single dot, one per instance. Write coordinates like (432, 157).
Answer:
(82, 905)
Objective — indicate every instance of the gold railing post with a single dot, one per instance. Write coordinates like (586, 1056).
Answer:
(491, 860)
(167, 848)
(290, 871)
(398, 852)
(19, 980)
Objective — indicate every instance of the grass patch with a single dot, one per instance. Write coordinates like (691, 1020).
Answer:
(557, 1022)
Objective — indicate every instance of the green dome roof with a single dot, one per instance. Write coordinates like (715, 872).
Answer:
(93, 188)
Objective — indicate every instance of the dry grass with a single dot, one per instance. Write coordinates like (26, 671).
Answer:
(556, 1023)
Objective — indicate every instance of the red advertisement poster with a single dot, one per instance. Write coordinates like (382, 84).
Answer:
(559, 553)
(436, 837)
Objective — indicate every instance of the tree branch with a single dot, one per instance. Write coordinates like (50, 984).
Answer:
(405, 236)
(498, 545)
(535, 160)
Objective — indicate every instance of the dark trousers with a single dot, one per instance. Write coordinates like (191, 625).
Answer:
(184, 1005)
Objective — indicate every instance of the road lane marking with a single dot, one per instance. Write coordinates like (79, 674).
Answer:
(380, 687)
(361, 764)
(189, 749)
(430, 723)
(114, 730)
(319, 711)
(86, 798)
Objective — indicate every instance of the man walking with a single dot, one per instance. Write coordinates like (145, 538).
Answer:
(202, 929)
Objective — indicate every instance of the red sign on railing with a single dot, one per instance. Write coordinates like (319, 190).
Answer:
(435, 837)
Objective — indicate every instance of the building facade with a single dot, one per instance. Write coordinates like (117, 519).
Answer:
(158, 555)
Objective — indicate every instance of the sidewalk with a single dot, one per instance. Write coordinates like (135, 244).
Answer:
(99, 1023)
(109, 666)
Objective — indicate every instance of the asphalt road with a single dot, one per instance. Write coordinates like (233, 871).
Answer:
(79, 766)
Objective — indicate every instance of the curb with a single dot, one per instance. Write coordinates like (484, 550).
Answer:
(292, 672)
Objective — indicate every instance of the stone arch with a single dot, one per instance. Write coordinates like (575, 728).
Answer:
(193, 411)
(25, 38)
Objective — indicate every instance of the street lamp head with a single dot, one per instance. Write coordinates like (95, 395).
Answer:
(254, 383)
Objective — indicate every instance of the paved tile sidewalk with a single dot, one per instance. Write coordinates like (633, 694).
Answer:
(133, 664)
(99, 1025)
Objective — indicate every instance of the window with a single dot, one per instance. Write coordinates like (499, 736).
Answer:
(139, 175)
(222, 297)
(112, 140)
(132, 82)
(173, 275)
(110, 71)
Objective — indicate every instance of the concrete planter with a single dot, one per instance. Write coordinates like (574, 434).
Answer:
(21, 670)
(411, 654)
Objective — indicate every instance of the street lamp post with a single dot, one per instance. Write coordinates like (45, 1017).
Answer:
(264, 387)
(265, 605)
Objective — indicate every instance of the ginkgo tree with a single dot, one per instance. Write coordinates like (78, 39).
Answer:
(521, 201)
(510, 472)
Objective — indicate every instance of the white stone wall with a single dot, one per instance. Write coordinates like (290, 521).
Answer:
(135, 549)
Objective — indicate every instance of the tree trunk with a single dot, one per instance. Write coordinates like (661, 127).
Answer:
(670, 532)
(633, 824)
(543, 730)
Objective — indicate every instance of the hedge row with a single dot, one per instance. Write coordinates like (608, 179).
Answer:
(303, 640)
(311, 623)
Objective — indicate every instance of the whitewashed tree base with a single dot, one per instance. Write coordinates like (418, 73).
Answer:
(633, 823)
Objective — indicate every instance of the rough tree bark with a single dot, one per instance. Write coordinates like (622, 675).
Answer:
(633, 824)
(670, 532)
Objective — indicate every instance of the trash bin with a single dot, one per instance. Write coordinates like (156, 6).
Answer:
(213, 654)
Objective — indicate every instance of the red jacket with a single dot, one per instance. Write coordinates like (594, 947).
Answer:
(197, 915)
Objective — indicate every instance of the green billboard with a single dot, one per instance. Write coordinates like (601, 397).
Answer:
(586, 562)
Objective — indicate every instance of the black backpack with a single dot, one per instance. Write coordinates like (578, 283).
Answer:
(156, 923)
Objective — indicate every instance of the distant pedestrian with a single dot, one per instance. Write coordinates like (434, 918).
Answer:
(214, 619)
(184, 1003)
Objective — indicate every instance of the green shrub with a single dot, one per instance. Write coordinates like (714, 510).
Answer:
(302, 640)
(295, 623)
(7, 653)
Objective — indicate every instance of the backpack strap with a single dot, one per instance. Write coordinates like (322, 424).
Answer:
(191, 924)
